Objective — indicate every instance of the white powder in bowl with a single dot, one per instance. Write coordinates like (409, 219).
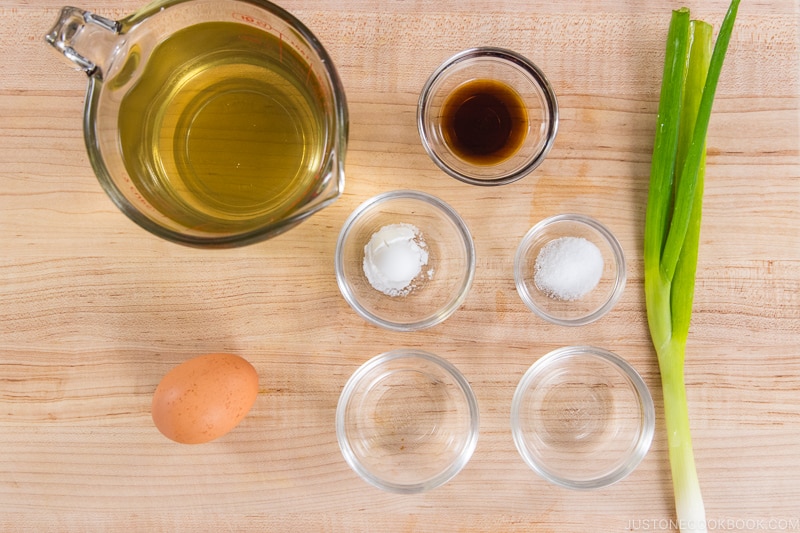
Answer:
(394, 257)
(568, 268)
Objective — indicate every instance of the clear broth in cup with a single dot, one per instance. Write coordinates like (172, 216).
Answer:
(224, 128)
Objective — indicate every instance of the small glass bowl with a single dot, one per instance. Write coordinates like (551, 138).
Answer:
(444, 281)
(589, 307)
(582, 417)
(512, 70)
(407, 421)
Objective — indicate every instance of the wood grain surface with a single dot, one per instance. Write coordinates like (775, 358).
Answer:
(94, 310)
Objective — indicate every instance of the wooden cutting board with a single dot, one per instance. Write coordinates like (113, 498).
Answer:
(94, 311)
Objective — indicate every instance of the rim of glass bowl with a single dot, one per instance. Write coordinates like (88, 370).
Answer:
(521, 62)
(455, 467)
(619, 258)
(350, 297)
(646, 429)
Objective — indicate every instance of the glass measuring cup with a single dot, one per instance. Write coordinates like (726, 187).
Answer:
(211, 123)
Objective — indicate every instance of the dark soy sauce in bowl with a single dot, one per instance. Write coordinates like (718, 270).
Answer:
(484, 122)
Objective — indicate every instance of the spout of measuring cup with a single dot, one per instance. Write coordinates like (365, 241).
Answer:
(329, 186)
(85, 39)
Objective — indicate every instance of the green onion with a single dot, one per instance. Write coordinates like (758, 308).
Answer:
(672, 229)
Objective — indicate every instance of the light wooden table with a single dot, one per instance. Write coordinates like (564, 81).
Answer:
(93, 310)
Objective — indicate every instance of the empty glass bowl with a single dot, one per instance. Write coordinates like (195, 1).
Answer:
(525, 99)
(538, 295)
(407, 421)
(582, 417)
(376, 238)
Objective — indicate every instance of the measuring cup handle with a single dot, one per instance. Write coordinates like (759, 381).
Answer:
(83, 38)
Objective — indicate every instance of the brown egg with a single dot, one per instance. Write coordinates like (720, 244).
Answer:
(204, 398)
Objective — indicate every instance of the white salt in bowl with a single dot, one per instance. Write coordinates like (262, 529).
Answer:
(420, 260)
(570, 269)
